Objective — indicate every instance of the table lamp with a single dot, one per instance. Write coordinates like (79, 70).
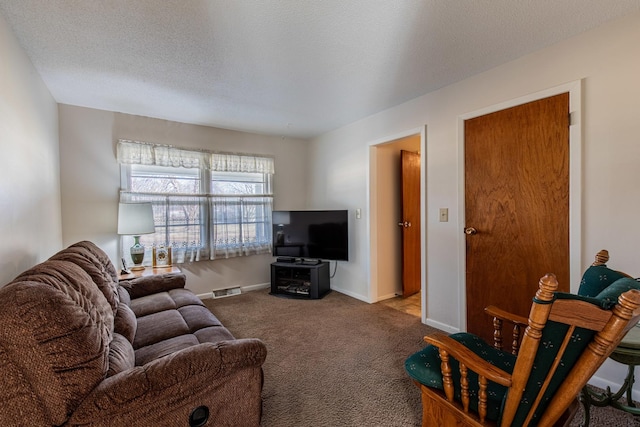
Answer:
(280, 219)
(135, 219)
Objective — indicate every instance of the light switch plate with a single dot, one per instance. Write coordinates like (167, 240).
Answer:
(444, 214)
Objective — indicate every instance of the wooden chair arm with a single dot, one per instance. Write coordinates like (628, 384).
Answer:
(494, 311)
(468, 358)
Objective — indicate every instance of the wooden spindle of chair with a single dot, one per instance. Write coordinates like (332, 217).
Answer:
(464, 388)
(447, 381)
(482, 398)
(515, 344)
(497, 333)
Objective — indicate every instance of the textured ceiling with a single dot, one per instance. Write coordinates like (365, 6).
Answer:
(294, 68)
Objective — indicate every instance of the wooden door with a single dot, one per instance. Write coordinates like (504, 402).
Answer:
(516, 206)
(410, 224)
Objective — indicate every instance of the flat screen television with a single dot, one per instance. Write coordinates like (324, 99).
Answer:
(321, 235)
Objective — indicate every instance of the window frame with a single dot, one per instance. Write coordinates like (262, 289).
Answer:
(206, 226)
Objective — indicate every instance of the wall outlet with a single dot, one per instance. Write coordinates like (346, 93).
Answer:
(444, 214)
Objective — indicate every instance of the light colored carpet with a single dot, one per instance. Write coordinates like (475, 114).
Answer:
(339, 361)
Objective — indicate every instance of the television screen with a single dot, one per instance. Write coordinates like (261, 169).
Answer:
(311, 234)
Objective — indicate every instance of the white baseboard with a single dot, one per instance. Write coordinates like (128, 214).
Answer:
(351, 294)
(208, 295)
(386, 297)
(442, 326)
(257, 287)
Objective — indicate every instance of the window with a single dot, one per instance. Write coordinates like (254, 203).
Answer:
(201, 212)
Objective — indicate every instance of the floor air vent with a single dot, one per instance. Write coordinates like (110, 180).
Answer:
(221, 293)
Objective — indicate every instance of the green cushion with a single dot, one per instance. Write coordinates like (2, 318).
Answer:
(591, 300)
(550, 343)
(596, 278)
(609, 296)
(424, 367)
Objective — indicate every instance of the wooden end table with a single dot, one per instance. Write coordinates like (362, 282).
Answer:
(627, 353)
(148, 271)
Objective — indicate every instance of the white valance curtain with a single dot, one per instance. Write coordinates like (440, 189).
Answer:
(204, 226)
(142, 153)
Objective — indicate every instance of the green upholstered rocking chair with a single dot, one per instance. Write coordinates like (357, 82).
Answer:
(467, 382)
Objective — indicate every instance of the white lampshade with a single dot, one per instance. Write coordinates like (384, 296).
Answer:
(135, 219)
(281, 218)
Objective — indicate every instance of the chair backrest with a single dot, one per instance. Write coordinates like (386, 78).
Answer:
(568, 338)
(598, 276)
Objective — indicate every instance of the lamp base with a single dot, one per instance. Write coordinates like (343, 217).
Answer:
(137, 254)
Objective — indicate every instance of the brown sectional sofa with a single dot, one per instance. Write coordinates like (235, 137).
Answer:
(79, 348)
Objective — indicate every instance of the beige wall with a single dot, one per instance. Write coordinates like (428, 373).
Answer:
(606, 60)
(90, 181)
(30, 229)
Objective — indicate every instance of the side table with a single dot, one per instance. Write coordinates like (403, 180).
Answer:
(627, 353)
(148, 271)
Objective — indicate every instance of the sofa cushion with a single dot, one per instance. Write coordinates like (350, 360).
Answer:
(197, 317)
(213, 334)
(160, 326)
(184, 297)
(172, 299)
(147, 285)
(182, 322)
(123, 295)
(153, 303)
(146, 354)
(121, 355)
(125, 322)
(57, 326)
(96, 263)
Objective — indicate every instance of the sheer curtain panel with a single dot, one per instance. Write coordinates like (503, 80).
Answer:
(206, 205)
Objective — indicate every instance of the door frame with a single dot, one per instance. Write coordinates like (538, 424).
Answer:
(575, 183)
(372, 225)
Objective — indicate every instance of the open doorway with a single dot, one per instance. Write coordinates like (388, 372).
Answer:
(389, 228)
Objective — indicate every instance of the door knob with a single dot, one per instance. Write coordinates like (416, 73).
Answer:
(470, 231)
(405, 224)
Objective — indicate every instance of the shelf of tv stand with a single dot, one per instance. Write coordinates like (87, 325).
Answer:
(299, 280)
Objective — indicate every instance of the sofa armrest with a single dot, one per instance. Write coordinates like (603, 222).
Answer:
(170, 387)
(143, 286)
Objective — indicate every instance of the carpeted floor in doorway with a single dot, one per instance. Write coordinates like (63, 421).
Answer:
(339, 361)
